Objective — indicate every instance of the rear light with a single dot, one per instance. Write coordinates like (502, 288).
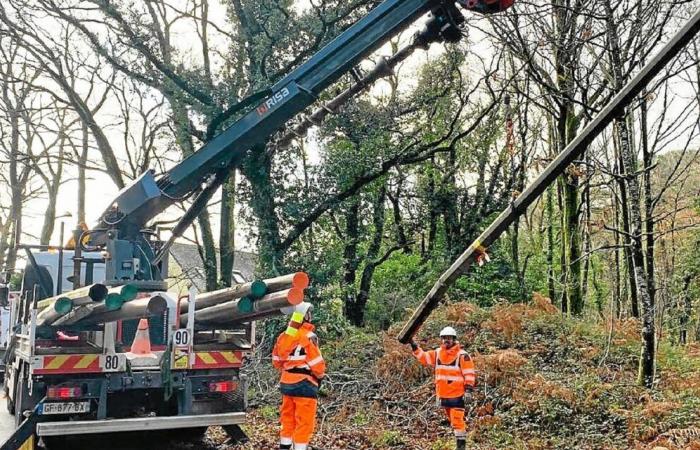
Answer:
(222, 386)
(63, 393)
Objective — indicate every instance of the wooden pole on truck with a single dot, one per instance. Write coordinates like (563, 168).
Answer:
(575, 149)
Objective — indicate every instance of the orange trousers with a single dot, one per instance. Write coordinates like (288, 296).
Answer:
(456, 416)
(298, 418)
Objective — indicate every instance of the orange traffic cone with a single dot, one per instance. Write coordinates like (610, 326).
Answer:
(141, 347)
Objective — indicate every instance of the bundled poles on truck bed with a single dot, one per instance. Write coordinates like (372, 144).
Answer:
(56, 307)
(135, 309)
(575, 149)
(226, 307)
(254, 289)
(118, 301)
(241, 310)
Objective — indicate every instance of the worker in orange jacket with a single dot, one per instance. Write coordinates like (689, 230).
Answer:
(454, 376)
(297, 356)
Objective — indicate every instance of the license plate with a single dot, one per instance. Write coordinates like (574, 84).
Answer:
(65, 408)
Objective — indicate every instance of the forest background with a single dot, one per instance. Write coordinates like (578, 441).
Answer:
(376, 202)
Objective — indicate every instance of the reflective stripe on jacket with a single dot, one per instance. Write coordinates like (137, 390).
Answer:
(454, 369)
(298, 357)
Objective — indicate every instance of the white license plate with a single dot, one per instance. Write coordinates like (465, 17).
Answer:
(65, 408)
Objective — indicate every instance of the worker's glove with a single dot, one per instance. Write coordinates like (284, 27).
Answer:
(413, 344)
(482, 258)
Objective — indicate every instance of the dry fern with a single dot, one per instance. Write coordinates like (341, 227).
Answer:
(543, 303)
(397, 366)
(681, 436)
(500, 366)
(659, 409)
(458, 313)
(529, 392)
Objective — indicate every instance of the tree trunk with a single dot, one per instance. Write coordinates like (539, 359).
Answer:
(564, 268)
(686, 309)
(227, 230)
(624, 212)
(550, 244)
(350, 259)
(432, 214)
(587, 246)
(648, 199)
(49, 217)
(647, 361)
(567, 125)
(358, 317)
(617, 280)
(82, 167)
(401, 238)
(257, 169)
(16, 188)
(448, 202)
(52, 186)
(573, 248)
(184, 139)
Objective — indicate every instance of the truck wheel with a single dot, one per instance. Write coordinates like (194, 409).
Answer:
(56, 442)
(188, 435)
(10, 404)
(236, 434)
(19, 395)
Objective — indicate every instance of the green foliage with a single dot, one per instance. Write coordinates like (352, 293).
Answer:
(390, 438)
(361, 418)
(15, 281)
(442, 444)
(398, 284)
(270, 412)
(330, 321)
(496, 280)
(673, 357)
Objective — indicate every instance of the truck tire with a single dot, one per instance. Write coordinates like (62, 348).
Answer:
(57, 442)
(19, 398)
(187, 435)
(236, 434)
(10, 404)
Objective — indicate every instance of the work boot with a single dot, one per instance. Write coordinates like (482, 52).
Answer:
(461, 444)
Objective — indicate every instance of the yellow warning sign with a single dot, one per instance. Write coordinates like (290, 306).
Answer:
(181, 359)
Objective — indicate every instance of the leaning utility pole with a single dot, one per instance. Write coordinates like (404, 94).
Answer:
(575, 149)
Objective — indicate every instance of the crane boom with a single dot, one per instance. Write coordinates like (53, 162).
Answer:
(121, 228)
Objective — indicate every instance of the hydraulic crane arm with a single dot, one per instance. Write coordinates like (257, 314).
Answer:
(121, 225)
(147, 196)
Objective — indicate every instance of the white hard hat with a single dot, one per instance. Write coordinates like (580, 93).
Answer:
(448, 331)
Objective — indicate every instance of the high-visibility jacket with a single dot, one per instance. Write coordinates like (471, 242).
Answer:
(298, 357)
(454, 369)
